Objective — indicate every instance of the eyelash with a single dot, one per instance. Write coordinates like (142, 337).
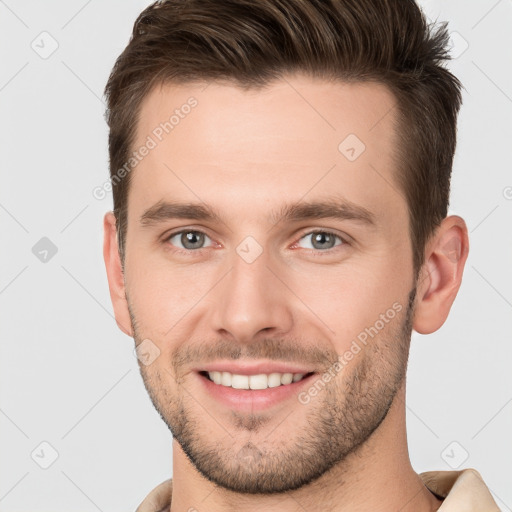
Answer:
(316, 252)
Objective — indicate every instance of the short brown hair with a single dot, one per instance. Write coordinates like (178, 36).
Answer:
(252, 42)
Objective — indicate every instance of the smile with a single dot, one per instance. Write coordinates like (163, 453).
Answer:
(259, 381)
(250, 386)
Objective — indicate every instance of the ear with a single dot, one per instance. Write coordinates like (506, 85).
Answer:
(441, 274)
(115, 274)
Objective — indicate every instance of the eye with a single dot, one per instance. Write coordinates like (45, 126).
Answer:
(320, 240)
(189, 240)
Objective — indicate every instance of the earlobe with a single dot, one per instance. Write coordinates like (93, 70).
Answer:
(115, 274)
(441, 274)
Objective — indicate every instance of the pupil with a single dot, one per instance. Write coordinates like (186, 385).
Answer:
(192, 240)
(323, 240)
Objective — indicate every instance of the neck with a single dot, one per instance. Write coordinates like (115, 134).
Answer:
(378, 476)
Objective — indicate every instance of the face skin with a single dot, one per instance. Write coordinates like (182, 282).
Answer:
(290, 294)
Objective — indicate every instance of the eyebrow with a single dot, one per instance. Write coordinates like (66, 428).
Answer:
(165, 210)
(339, 209)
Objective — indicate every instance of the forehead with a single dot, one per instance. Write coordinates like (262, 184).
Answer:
(293, 138)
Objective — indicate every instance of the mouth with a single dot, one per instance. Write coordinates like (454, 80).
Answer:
(254, 390)
(253, 382)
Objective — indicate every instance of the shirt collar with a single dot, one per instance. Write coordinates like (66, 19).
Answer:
(462, 490)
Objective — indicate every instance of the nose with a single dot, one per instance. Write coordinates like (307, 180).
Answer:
(251, 302)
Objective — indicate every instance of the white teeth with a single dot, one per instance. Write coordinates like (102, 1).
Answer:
(286, 378)
(260, 381)
(274, 380)
(225, 379)
(240, 381)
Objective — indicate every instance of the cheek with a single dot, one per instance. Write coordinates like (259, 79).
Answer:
(162, 295)
(161, 387)
(351, 299)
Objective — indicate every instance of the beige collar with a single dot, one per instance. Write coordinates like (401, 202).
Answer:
(464, 491)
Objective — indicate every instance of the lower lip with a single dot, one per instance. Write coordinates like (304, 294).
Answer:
(249, 400)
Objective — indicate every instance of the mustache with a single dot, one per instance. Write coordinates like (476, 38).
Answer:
(290, 350)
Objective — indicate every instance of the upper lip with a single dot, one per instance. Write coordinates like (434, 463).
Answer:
(253, 367)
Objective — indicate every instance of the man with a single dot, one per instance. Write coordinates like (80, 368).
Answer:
(281, 172)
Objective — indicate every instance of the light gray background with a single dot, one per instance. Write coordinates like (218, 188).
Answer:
(69, 376)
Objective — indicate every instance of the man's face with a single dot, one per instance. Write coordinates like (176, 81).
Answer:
(268, 285)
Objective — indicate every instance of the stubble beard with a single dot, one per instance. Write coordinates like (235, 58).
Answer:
(340, 420)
